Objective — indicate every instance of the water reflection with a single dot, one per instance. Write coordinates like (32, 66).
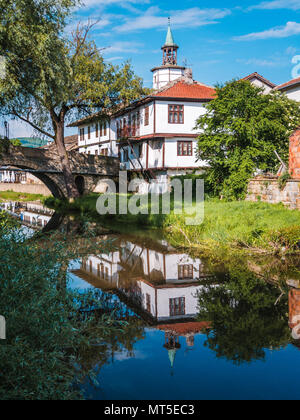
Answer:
(193, 330)
(33, 214)
(158, 282)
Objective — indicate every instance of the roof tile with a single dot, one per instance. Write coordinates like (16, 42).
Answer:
(187, 90)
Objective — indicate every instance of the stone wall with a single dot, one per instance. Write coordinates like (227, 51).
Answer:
(26, 188)
(267, 190)
(294, 164)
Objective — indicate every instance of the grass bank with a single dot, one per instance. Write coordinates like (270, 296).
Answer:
(19, 196)
(241, 224)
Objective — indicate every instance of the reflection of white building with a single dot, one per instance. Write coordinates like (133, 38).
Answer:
(34, 214)
(163, 284)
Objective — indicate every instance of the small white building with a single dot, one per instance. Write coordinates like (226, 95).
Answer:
(291, 89)
(259, 81)
(154, 137)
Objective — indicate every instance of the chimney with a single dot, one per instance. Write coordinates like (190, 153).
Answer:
(188, 75)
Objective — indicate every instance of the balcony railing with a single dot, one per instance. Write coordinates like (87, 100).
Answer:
(128, 132)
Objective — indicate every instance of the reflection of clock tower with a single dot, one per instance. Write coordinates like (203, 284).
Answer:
(169, 70)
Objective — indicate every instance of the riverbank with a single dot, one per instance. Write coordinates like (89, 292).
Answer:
(20, 196)
(39, 189)
(251, 226)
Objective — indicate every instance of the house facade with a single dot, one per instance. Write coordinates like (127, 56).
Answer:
(154, 137)
(291, 89)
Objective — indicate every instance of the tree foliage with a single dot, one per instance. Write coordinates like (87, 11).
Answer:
(246, 315)
(52, 342)
(240, 134)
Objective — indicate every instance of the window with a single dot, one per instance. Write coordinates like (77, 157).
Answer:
(140, 150)
(89, 132)
(147, 115)
(177, 306)
(81, 132)
(148, 302)
(97, 130)
(157, 145)
(185, 271)
(125, 155)
(101, 130)
(185, 148)
(105, 129)
(176, 114)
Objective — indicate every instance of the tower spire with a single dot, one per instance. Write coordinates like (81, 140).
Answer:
(169, 39)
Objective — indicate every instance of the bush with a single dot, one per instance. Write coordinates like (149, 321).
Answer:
(46, 335)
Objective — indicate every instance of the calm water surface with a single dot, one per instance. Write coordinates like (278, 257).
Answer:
(233, 343)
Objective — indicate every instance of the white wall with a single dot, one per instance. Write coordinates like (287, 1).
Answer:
(172, 160)
(293, 93)
(260, 84)
(192, 111)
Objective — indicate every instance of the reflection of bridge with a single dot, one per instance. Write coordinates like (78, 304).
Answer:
(46, 166)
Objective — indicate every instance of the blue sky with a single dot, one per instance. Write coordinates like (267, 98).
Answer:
(220, 40)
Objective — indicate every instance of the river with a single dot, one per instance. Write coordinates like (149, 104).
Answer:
(198, 327)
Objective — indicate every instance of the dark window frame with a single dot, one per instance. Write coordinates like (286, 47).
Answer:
(147, 116)
(181, 148)
(177, 306)
(185, 271)
(176, 114)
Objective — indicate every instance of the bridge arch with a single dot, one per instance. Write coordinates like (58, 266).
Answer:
(45, 164)
(50, 180)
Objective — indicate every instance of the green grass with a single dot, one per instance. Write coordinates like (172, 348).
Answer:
(240, 224)
(19, 196)
(243, 224)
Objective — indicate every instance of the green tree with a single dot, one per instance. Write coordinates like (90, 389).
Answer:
(50, 78)
(240, 134)
(246, 315)
(55, 335)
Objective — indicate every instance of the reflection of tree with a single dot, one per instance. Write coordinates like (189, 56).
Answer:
(245, 319)
(128, 329)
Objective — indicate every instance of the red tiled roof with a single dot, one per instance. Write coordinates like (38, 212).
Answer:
(184, 90)
(287, 84)
(259, 77)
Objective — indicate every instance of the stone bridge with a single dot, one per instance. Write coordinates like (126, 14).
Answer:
(45, 164)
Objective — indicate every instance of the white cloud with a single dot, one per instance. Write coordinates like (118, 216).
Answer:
(115, 58)
(290, 29)
(124, 47)
(263, 62)
(97, 3)
(291, 51)
(154, 18)
(278, 4)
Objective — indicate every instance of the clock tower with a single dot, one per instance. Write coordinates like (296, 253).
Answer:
(169, 70)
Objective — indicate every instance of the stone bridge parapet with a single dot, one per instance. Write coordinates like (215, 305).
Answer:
(45, 164)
